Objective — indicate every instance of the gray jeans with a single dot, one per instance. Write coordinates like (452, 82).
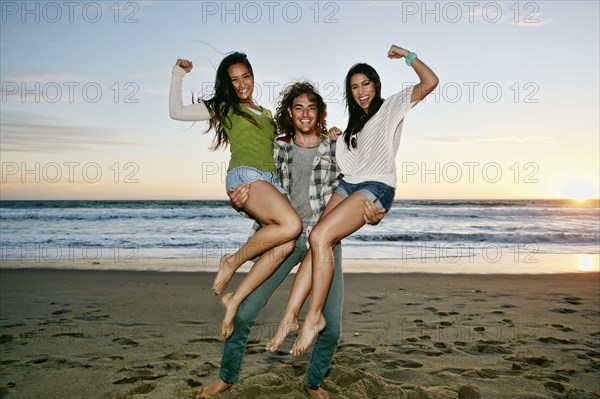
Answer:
(325, 344)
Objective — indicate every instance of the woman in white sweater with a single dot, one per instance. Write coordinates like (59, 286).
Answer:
(367, 162)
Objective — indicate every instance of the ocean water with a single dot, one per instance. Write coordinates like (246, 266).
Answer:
(412, 230)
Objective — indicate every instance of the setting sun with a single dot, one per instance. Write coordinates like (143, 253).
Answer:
(579, 190)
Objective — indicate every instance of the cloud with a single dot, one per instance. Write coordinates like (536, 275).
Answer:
(475, 139)
(32, 132)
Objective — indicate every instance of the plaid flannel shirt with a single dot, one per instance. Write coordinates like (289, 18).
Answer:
(324, 177)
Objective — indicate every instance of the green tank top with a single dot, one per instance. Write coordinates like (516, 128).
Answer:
(251, 145)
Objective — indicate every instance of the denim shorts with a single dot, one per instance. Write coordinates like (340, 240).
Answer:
(379, 193)
(247, 174)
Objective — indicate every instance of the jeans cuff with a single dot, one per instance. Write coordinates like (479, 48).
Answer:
(228, 378)
(313, 387)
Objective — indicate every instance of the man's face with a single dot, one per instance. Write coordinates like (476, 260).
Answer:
(304, 114)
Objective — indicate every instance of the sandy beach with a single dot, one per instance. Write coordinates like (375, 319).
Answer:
(125, 334)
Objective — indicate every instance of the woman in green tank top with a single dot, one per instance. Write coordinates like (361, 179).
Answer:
(249, 130)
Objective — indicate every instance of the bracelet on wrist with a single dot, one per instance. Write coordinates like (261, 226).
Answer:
(410, 57)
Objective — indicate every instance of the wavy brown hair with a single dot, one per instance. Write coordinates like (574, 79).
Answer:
(283, 119)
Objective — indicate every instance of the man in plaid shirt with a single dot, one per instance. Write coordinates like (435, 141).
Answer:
(305, 160)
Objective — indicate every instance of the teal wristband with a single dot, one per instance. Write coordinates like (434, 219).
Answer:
(410, 57)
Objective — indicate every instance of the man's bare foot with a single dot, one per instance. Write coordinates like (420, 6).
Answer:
(216, 387)
(223, 276)
(318, 393)
(287, 325)
(313, 325)
(230, 311)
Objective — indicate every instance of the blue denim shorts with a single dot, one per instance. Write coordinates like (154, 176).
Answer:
(379, 193)
(247, 174)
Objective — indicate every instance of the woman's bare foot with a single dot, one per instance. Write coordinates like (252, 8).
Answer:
(287, 325)
(318, 393)
(313, 325)
(230, 310)
(223, 276)
(216, 387)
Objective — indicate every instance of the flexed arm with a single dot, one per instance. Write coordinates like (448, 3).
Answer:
(178, 111)
(428, 80)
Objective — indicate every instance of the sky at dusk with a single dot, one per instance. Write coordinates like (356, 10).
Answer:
(84, 108)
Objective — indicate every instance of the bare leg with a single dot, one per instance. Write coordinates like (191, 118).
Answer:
(214, 388)
(262, 269)
(280, 224)
(298, 294)
(340, 222)
(300, 290)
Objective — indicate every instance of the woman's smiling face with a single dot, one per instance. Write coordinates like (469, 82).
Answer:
(363, 90)
(242, 81)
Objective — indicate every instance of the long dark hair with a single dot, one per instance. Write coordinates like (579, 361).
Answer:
(357, 116)
(226, 98)
(282, 117)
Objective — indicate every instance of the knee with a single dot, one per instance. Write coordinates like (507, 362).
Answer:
(318, 238)
(293, 227)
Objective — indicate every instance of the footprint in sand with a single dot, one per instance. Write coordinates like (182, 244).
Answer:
(40, 360)
(562, 310)
(493, 347)
(61, 311)
(486, 374)
(4, 338)
(555, 387)
(552, 340)
(142, 389)
(88, 316)
(361, 312)
(180, 356)
(131, 380)
(408, 364)
(71, 335)
(573, 300)
(562, 328)
(125, 342)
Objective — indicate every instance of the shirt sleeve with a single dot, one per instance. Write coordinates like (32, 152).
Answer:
(399, 105)
(178, 111)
